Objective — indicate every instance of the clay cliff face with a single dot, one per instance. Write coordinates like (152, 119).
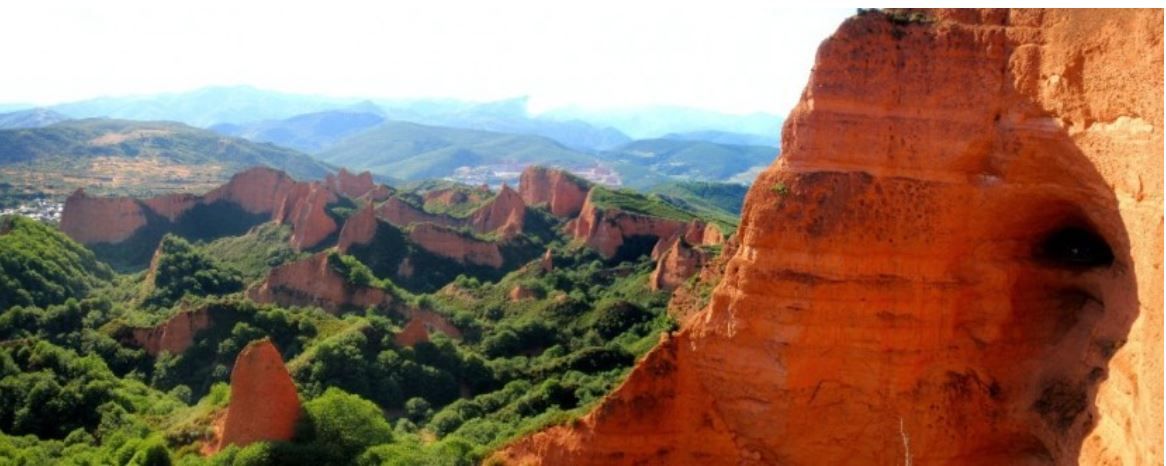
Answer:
(264, 404)
(360, 228)
(420, 324)
(402, 214)
(957, 260)
(354, 186)
(503, 215)
(606, 230)
(455, 245)
(90, 220)
(562, 193)
(173, 336)
(313, 282)
(676, 264)
(259, 190)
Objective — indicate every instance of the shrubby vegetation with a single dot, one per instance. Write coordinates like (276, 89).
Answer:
(182, 270)
(40, 266)
(74, 384)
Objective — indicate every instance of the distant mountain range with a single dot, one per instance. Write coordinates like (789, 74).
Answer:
(32, 118)
(577, 128)
(128, 157)
(395, 139)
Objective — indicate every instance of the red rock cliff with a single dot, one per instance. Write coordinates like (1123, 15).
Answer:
(314, 282)
(91, 220)
(354, 186)
(957, 260)
(456, 245)
(607, 229)
(264, 404)
(504, 214)
(259, 190)
(173, 336)
(562, 193)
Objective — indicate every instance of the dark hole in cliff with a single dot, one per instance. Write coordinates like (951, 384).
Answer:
(1060, 403)
(1076, 247)
(634, 247)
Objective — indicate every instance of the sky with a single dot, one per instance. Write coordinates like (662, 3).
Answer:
(733, 56)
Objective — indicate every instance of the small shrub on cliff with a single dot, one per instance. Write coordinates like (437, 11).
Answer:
(780, 189)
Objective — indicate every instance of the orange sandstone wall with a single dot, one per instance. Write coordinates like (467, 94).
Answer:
(956, 260)
(562, 193)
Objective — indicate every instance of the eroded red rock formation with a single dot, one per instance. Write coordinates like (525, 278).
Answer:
(676, 264)
(504, 214)
(456, 245)
(315, 282)
(264, 404)
(957, 260)
(258, 190)
(360, 228)
(90, 220)
(606, 230)
(402, 214)
(562, 192)
(421, 323)
(354, 186)
(173, 336)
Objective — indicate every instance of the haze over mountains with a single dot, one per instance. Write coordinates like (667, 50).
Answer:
(404, 140)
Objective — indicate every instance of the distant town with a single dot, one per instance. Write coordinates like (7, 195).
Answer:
(44, 210)
(495, 175)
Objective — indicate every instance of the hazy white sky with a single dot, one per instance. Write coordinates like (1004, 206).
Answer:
(734, 56)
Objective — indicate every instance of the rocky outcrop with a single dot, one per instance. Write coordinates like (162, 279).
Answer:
(91, 220)
(173, 336)
(504, 214)
(607, 230)
(421, 323)
(519, 293)
(562, 192)
(957, 260)
(692, 296)
(547, 263)
(403, 214)
(456, 195)
(264, 404)
(347, 184)
(359, 228)
(676, 264)
(315, 282)
(259, 191)
(307, 212)
(456, 245)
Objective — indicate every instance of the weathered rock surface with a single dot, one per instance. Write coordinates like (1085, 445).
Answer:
(260, 190)
(504, 214)
(173, 336)
(606, 230)
(456, 245)
(90, 220)
(676, 264)
(402, 214)
(421, 323)
(957, 260)
(264, 404)
(562, 192)
(360, 228)
(314, 282)
(354, 186)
